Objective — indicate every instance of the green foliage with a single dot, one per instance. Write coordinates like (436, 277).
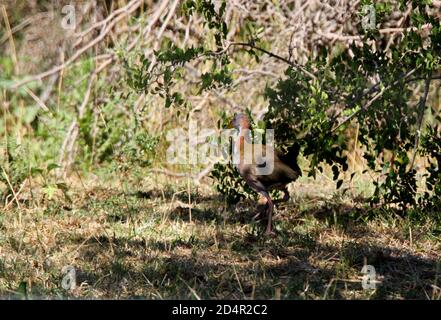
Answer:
(14, 167)
(215, 79)
(212, 18)
(159, 78)
(400, 184)
(431, 147)
(113, 133)
(111, 130)
(137, 151)
(229, 184)
(388, 119)
(50, 183)
(318, 113)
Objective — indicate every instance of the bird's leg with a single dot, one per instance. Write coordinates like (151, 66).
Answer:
(269, 226)
(269, 212)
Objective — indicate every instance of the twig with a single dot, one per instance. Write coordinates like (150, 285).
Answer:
(187, 31)
(24, 24)
(341, 37)
(257, 71)
(422, 105)
(15, 196)
(69, 142)
(422, 78)
(269, 53)
(196, 177)
(37, 99)
(273, 55)
(170, 173)
(167, 19)
(11, 39)
(105, 21)
(11, 187)
(367, 105)
(378, 95)
(300, 11)
(204, 172)
(85, 48)
(193, 291)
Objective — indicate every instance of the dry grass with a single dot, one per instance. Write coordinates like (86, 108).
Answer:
(139, 242)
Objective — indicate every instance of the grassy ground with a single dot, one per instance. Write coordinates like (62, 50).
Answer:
(145, 242)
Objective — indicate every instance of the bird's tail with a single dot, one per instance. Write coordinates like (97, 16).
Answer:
(290, 158)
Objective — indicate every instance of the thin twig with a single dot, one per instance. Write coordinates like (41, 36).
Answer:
(69, 141)
(11, 39)
(105, 21)
(84, 49)
(11, 187)
(37, 99)
(341, 37)
(375, 98)
(24, 24)
(422, 105)
(269, 53)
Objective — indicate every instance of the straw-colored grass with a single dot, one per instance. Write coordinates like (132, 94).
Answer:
(137, 241)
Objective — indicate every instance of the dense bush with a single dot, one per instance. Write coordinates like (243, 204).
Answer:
(381, 87)
(377, 82)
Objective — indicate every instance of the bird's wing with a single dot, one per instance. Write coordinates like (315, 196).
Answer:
(248, 172)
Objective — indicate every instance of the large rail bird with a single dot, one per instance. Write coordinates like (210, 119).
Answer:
(284, 168)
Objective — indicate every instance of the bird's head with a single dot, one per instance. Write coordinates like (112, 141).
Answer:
(240, 121)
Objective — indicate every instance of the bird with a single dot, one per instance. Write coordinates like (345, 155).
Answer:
(249, 165)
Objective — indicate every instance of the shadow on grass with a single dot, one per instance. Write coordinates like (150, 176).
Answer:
(169, 194)
(236, 265)
(249, 266)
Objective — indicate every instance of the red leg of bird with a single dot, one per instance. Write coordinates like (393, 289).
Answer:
(269, 226)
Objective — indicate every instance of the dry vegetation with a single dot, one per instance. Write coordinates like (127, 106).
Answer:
(143, 242)
(158, 233)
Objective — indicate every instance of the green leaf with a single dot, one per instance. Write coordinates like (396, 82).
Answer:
(22, 290)
(52, 166)
(35, 171)
(49, 190)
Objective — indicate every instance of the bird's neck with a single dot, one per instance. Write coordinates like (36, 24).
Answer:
(244, 138)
